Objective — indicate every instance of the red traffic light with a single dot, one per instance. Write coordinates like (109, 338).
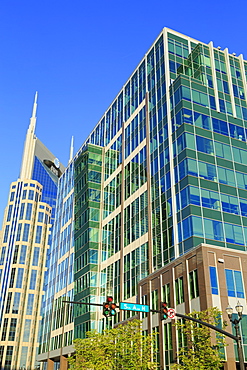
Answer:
(163, 311)
(109, 307)
(106, 309)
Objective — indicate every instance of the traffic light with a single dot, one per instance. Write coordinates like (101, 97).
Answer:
(106, 309)
(163, 311)
(109, 307)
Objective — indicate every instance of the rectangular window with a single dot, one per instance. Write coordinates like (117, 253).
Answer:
(12, 278)
(27, 329)
(23, 359)
(40, 216)
(8, 358)
(6, 234)
(18, 235)
(168, 347)
(35, 256)
(9, 212)
(8, 302)
(19, 278)
(179, 290)
(234, 283)
(166, 294)
(213, 280)
(16, 302)
(12, 329)
(4, 332)
(26, 232)
(2, 255)
(31, 194)
(155, 299)
(16, 254)
(22, 259)
(22, 211)
(29, 211)
(38, 234)
(33, 279)
(194, 289)
(30, 304)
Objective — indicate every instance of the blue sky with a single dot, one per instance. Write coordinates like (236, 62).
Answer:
(78, 54)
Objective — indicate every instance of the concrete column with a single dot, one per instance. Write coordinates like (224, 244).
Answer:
(50, 364)
(63, 363)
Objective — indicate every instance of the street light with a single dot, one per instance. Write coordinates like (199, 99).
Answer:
(229, 311)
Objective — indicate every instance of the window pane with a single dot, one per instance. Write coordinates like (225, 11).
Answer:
(213, 280)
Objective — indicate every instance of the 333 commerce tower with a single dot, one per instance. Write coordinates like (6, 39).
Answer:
(24, 249)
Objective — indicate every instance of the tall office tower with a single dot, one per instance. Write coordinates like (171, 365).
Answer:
(163, 171)
(56, 336)
(24, 249)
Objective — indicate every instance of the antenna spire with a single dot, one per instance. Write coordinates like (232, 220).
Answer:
(33, 118)
(71, 149)
(29, 146)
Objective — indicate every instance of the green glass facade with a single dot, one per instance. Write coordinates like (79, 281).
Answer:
(164, 170)
(88, 189)
(172, 172)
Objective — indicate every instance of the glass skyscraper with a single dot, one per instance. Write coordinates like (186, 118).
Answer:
(164, 170)
(24, 248)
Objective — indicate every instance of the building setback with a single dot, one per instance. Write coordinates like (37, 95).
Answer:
(24, 251)
(163, 171)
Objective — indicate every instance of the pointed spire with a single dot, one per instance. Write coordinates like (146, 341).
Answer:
(33, 118)
(71, 149)
(29, 147)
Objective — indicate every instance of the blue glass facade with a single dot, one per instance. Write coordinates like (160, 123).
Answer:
(165, 169)
(49, 181)
(59, 281)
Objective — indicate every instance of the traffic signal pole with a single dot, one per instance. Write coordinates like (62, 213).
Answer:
(102, 305)
(237, 338)
(208, 325)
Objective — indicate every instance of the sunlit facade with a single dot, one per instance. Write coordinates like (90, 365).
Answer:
(24, 247)
(163, 171)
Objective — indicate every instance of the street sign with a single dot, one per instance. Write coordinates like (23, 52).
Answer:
(133, 307)
(171, 313)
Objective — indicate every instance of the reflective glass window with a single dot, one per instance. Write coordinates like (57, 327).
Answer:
(38, 234)
(33, 279)
(26, 232)
(213, 229)
(30, 304)
(27, 330)
(35, 256)
(19, 277)
(23, 253)
(213, 280)
(16, 303)
(234, 283)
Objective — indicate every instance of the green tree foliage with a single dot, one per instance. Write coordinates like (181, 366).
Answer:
(200, 347)
(124, 347)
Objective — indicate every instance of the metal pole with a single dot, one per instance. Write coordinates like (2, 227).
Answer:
(239, 346)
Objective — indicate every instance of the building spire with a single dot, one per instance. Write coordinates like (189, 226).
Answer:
(33, 118)
(71, 149)
(29, 147)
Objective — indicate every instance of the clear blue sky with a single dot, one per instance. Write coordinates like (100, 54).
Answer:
(77, 54)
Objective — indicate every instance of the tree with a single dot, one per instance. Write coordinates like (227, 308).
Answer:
(200, 347)
(124, 347)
